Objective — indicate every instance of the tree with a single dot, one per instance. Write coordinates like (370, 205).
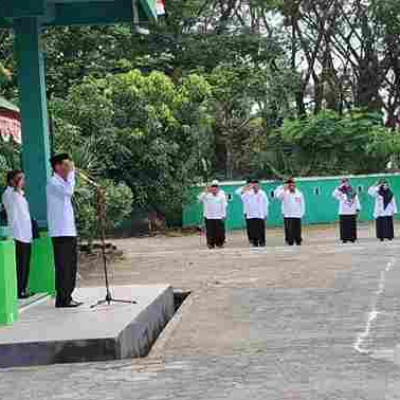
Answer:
(327, 143)
(146, 132)
(8, 81)
(241, 95)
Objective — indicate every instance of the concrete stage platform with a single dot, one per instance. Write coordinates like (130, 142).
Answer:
(46, 335)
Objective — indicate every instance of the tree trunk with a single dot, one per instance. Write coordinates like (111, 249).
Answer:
(229, 160)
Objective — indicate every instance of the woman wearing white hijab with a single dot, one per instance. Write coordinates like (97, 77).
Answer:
(385, 209)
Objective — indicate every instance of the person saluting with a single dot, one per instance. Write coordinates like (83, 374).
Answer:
(62, 230)
(256, 204)
(293, 210)
(214, 208)
(385, 209)
(349, 207)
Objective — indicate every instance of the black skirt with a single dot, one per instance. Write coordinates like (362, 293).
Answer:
(348, 228)
(384, 228)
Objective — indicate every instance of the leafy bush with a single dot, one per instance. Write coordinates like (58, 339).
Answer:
(143, 130)
(118, 206)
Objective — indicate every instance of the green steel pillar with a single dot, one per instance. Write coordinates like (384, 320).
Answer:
(35, 144)
(34, 117)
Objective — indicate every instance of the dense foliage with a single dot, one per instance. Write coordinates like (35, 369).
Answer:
(143, 130)
(326, 143)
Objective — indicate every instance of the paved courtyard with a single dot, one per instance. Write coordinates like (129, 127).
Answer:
(316, 322)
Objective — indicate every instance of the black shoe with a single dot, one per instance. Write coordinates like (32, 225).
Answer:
(71, 304)
(210, 246)
(344, 241)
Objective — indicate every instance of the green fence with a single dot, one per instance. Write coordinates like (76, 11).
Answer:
(321, 207)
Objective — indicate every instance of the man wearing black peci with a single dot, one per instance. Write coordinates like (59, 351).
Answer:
(293, 210)
(240, 192)
(255, 202)
(62, 230)
(215, 205)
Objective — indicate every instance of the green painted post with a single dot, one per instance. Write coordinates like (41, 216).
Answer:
(8, 283)
(36, 144)
(34, 117)
(41, 277)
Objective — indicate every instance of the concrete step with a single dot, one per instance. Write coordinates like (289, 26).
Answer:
(46, 335)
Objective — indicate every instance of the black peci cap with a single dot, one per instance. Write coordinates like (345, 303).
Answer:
(59, 158)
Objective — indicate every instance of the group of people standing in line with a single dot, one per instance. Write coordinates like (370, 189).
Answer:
(61, 228)
(256, 205)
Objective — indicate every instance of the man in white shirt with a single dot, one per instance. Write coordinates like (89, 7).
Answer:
(385, 209)
(349, 207)
(215, 205)
(239, 192)
(293, 210)
(62, 230)
(19, 220)
(255, 202)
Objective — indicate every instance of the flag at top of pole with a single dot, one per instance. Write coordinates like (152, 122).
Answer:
(160, 7)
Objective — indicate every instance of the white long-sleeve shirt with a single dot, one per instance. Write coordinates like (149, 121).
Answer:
(293, 203)
(214, 206)
(380, 210)
(60, 213)
(346, 207)
(255, 204)
(18, 215)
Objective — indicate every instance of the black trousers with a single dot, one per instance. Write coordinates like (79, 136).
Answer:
(348, 228)
(257, 231)
(384, 228)
(23, 256)
(247, 228)
(293, 231)
(66, 262)
(215, 230)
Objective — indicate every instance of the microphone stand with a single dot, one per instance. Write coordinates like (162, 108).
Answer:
(101, 217)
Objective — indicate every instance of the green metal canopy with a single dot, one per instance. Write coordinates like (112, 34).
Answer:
(28, 18)
(75, 12)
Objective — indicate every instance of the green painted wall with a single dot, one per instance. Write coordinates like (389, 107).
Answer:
(321, 207)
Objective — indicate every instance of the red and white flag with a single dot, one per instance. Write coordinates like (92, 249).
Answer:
(10, 126)
(160, 7)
